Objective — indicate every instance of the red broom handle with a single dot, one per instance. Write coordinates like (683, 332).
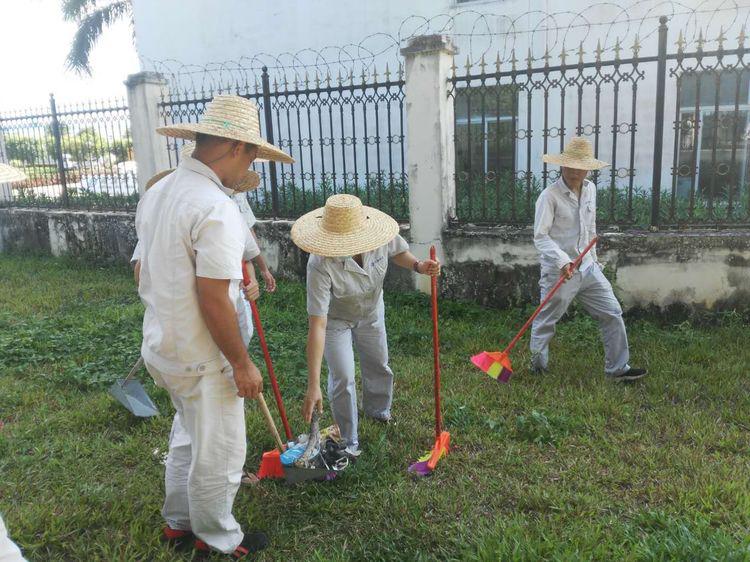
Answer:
(436, 349)
(267, 357)
(549, 296)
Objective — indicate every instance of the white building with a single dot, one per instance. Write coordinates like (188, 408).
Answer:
(201, 45)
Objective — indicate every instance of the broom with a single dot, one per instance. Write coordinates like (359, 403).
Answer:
(427, 463)
(497, 363)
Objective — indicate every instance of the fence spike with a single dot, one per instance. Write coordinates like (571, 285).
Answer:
(351, 77)
(338, 79)
(721, 38)
(497, 62)
(700, 42)
(296, 81)
(581, 52)
(387, 73)
(317, 80)
(468, 65)
(513, 59)
(563, 55)
(617, 48)
(400, 71)
(364, 76)
(374, 75)
(286, 83)
(453, 67)
(529, 59)
(307, 80)
(546, 56)
(636, 46)
(680, 43)
(482, 64)
(275, 84)
(741, 38)
(599, 50)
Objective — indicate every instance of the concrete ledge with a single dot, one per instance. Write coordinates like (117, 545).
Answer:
(493, 266)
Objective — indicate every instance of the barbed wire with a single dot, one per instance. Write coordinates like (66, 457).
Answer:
(531, 35)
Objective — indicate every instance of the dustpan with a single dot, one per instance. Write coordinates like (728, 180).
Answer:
(130, 393)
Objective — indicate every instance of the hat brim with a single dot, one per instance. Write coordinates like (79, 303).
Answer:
(589, 164)
(309, 235)
(249, 182)
(10, 174)
(188, 131)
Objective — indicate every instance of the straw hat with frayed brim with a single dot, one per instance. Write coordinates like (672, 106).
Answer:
(344, 227)
(10, 174)
(250, 181)
(578, 154)
(229, 117)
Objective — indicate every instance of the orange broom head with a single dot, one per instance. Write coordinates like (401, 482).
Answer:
(270, 465)
(439, 450)
(495, 363)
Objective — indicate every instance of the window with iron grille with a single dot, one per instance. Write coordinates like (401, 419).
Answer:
(713, 147)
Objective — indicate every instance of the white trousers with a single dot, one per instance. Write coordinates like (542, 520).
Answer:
(594, 292)
(369, 338)
(206, 455)
(9, 552)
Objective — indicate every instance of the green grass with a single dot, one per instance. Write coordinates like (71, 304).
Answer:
(562, 467)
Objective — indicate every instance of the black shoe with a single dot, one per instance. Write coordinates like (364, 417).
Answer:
(630, 375)
(251, 543)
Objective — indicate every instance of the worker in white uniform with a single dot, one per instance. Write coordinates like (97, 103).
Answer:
(192, 241)
(350, 247)
(9, 552)
(564, 224)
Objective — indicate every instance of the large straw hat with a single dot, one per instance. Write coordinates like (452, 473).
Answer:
(250, 181)
(9, 174)
(578, 154)
(229, 117)
(344, 227)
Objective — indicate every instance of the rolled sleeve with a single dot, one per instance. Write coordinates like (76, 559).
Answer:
(251, 247)
(318, 291)
(136, 253)
(219, 243)
(543, 217)
(397, 246)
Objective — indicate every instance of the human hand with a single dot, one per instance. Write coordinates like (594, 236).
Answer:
(252, 290)
(313, 401)
(429, 267)
(248, 381)
(568, 271)
(268, 280)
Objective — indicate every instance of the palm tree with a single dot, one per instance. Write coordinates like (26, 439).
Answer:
(92, 16)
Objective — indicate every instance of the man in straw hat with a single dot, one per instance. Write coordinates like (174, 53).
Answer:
(564, 224)
(192, 241)
(9, 552)
(350, 246)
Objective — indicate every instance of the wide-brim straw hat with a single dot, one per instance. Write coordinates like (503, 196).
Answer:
(250, 181)
(229, 117)
(10, 174)
(578, 154)
(344, 227)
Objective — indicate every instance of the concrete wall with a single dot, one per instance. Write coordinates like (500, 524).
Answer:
(495, 267)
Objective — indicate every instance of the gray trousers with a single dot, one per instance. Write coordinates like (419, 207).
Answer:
(368, 337)
(594, 293)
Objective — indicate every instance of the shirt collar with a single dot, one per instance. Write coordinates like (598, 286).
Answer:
(199, 167)
(569, 192)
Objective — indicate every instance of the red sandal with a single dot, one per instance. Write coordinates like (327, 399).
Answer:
(251, 543)
(177, 538)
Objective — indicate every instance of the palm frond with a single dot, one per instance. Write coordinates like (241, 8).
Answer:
(90, 28)
(74, 10)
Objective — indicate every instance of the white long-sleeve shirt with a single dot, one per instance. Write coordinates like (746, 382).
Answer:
(564, 225)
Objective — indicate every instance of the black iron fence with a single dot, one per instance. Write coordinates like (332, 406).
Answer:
(694, 173)
(74, 156)
(346, 134)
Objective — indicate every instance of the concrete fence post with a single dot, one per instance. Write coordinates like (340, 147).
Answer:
(429, 143)
(144, 94)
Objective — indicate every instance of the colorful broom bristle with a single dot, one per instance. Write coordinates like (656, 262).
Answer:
(495, 364)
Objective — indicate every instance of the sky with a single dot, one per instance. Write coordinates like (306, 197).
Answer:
(34, 41)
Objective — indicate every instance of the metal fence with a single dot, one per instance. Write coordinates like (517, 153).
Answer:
(507, 116)
(74, 156)
(346, 134)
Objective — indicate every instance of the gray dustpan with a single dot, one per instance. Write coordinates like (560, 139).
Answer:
(131, 394)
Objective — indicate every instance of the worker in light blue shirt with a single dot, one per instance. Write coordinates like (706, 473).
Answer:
(564, 224)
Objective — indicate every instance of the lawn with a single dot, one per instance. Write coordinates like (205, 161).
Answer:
(565, 466)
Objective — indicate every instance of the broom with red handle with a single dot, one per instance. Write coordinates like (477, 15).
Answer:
(497, 363)
(267, 357)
